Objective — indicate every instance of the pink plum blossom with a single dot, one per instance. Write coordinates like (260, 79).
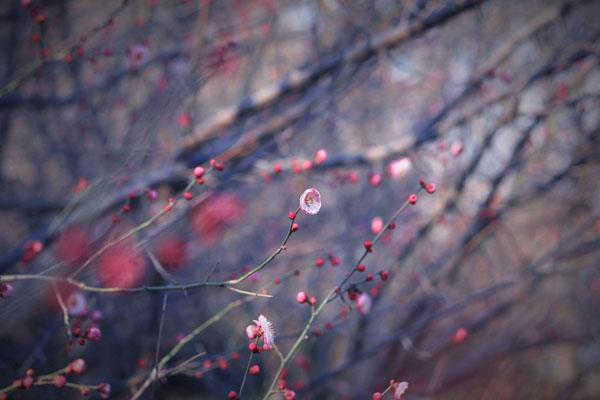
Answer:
(264, 329)
(363, 303)
(399, 168)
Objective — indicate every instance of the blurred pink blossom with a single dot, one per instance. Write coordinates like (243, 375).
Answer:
(363, 303)
(399, 168)
(376, 225)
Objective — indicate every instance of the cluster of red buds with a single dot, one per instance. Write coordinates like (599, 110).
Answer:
(428, 186)
(282, 385)
(302, 298)
(59, 380)
(91, 333)
(297, 166)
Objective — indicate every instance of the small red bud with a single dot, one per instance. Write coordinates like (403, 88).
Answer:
(94, 334)
(460, 335)
(353, 177)
(188, 196)
(312, 301)
(254, 369)
(76, 331)
(104, 389)
(368, 246)
(222, 363)
(59, 381)
(457, 148)
(217, 165)
(152, 195)
(361, 268)
(198, 172)
(375, 180)
(295, 227)
(77, 366)
(352, 295)
(170, 204)
(301, 297)
(320, 156)
(232, 395)
(292, 216)
(253, 348)
(27, 382)
(412, 199)
(384, 275)
(319, 262)
(335, 261)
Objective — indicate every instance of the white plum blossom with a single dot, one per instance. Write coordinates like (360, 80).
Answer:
(310, 201)
(264, 328)
(400, 389)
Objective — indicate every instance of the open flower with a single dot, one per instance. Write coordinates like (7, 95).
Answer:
(263, 328)
(310, 201)
(399, 389)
